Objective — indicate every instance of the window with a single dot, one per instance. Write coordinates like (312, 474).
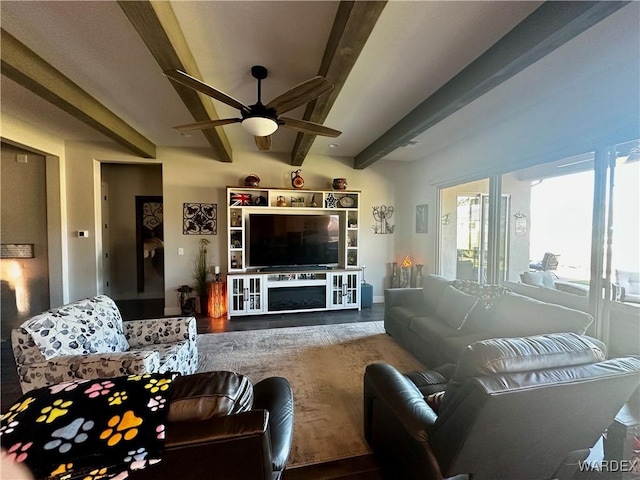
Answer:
(570, 226)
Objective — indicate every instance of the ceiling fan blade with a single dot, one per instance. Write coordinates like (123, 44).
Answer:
(192, 82)
(300, 94)
(263, 143)
(207, 124)
(309, 127)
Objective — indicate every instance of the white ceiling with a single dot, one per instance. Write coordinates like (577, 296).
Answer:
(414, 49)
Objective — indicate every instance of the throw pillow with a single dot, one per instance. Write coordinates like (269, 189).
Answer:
(538, 279)
(455, 306)
(433, 286)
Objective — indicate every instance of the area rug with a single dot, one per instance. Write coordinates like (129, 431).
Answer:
(325, 365)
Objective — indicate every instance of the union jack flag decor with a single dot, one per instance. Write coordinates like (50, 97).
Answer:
(240, 199)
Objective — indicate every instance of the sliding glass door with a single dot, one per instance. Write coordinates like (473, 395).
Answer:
(464, 232)
(566, 232)
(552, 221)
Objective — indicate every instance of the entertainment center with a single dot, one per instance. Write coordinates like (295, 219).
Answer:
(292, 250)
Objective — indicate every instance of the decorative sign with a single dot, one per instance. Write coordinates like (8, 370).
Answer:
(520, 224)
(13, 250)
(382, 214)
(422, 212)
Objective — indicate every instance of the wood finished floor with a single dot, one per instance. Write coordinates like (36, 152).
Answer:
(132, 310)
(363, 467)
(357, 468)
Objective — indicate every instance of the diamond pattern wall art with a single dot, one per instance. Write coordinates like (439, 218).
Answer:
(200, 219)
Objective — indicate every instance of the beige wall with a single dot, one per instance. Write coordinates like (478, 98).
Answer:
(570, 99)
(25, 282)
(21, 134)
(192, 176)
(562, 105)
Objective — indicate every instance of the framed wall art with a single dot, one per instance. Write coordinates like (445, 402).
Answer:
(200, 219)
(422, 216)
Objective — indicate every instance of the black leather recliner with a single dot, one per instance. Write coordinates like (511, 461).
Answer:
(220, 426)
(513, 408)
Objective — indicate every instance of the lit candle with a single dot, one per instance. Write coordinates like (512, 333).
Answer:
(216, 269)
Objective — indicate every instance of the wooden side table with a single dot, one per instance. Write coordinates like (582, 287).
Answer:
(622, 443)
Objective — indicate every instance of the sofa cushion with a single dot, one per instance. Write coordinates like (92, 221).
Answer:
(88, 326)
(488, 295)
(455, 306)
(538, 279)
(210, 394)
(450, 348)
(433, 286)
(431, 330)
(630, 281)
(401, 315)
(519, 316)
(539, 352)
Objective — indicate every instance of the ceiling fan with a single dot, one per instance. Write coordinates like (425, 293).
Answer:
(262, 120)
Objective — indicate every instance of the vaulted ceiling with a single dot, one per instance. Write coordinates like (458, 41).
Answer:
(93, 70)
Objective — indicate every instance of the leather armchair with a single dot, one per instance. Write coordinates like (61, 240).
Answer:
(513, 408)
(220, 426)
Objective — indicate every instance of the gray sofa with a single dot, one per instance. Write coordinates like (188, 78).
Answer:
(437, 322)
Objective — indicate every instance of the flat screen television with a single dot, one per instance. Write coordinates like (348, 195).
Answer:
(281, 240)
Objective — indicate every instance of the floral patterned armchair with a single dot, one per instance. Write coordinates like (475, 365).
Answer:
(88, 339)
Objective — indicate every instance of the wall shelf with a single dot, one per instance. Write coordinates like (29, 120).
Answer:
(241, 201)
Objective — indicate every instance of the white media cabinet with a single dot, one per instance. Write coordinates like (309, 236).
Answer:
(254, 292)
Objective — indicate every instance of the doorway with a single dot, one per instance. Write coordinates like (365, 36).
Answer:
(134, 199)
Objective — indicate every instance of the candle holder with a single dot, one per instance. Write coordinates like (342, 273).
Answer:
(419, 277)
(395, 279)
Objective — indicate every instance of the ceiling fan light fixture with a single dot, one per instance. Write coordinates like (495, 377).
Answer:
(259, 126)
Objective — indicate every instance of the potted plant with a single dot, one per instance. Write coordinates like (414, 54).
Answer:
(201, 274)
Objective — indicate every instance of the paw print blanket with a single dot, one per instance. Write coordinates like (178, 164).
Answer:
(89, 429)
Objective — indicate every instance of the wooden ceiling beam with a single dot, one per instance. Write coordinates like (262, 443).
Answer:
(550, 26)
(29, 70)
(158, 27)
(351, 28)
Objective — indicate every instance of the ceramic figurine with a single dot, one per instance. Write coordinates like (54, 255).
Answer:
(296, 180)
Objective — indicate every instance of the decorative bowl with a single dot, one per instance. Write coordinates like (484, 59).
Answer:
(339, 183)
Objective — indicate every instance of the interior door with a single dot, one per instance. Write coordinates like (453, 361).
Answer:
(150, 244)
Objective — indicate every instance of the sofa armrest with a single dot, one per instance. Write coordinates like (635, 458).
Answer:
(274, 394)
(384, 385)
(73, 367)
(160, 330)
(232, 447)
(411, 298)
(573, 288)
(220, 428)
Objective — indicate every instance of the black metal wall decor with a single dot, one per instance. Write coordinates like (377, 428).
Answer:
(381, 215)
(200, 219)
